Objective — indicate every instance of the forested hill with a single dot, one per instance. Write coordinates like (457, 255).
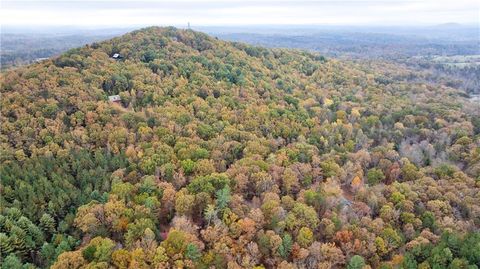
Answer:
(224, 155)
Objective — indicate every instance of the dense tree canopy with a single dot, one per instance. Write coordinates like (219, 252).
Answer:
(224, 155)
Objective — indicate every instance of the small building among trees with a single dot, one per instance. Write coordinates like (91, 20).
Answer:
(117, 56)
(114, 98)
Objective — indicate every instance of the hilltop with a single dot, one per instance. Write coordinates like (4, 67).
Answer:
(221, 154)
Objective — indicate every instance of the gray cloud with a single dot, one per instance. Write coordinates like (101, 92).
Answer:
(222, 12)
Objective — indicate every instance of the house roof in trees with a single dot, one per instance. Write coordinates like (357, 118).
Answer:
(114, 98)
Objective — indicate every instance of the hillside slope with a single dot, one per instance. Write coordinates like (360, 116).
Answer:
(227, 155)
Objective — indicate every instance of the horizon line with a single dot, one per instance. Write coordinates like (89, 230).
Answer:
(380, 25)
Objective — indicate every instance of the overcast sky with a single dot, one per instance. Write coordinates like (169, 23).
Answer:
(238, 12)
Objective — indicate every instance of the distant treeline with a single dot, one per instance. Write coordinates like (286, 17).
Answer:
(21, 49)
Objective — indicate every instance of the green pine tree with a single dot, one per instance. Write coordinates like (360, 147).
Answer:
(5, 245)
(47, 223)
(356, 262)
(286, 246)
